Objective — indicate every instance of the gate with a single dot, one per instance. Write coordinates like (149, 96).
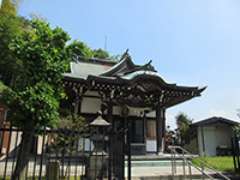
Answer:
(69, 154)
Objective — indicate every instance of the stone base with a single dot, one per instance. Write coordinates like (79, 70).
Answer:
(97, 167)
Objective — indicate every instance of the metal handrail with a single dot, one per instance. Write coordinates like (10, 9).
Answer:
(201, 170)
(203, 163)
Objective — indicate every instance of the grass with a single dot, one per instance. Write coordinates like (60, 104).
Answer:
(221, 163)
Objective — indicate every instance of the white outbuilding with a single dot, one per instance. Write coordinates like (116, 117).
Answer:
(214, 136)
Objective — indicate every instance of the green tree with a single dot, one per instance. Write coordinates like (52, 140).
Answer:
(2, 87)
(35, 102)
(101, 54)
(9, 7)
(183, 126)
(78, 49)
(10, 26)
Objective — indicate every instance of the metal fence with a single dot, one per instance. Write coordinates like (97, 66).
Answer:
(72, 154)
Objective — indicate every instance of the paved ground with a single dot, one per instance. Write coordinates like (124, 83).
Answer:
(136, 171)
(158, 171)
(79, 170)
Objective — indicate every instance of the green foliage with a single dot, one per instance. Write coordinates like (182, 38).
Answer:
(78, 48)
(10, 66)
(38, 103)
(236, 130)
(183, 127)
(33, 58)
(9, 7)
(73, 122)
(101, 54)
(72, 128)
(2, 87)
(42, 53)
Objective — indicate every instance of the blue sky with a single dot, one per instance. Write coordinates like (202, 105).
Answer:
(190, 42)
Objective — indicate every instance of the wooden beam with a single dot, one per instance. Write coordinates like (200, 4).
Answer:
(110, 119)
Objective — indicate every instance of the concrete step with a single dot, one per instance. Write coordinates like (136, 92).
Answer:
(164, 172)
(179, 177)
(157, 157)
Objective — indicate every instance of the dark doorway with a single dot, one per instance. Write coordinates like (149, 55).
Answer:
(137, 131)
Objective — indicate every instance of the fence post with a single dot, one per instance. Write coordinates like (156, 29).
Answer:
(202, 169)
(184, 163)
(234, 153)
(237, 153)
(53, 170)
(190, 170)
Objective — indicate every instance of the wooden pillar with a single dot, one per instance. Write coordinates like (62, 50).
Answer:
(76, 105)
(160, 128)
(110, 159)
(163, 128)
(129, 153)
(80, 105)
(110, 112)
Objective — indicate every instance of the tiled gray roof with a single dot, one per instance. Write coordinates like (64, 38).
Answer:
(84, 69)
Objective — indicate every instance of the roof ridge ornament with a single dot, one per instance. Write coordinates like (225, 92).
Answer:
(149, 66)
(125, 54)
(125, 64)
(146, 67)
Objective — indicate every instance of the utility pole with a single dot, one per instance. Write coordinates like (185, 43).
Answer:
(105, 43)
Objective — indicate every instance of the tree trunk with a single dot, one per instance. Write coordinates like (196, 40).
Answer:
(24, 153)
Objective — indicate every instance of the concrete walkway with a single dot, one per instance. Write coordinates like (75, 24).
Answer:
(138, 172)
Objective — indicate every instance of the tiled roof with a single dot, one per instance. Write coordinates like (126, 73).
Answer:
(125, 74)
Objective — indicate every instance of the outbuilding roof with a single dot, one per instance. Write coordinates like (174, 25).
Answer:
(215, 120)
